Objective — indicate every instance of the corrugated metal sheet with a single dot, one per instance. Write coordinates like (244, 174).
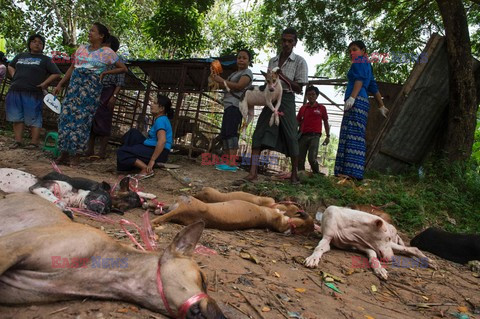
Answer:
(417, 115)
(187, 75)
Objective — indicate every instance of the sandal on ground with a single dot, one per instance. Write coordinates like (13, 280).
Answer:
(15, 145)
(31, 146)
(141, 177)
(93, 158)
(242, 181)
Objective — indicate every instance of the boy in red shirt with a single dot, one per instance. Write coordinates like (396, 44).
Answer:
(310, 119)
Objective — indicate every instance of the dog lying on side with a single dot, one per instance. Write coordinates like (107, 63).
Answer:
(346, 228)
(45, 257)
(374, 211)
(264, 95)
(65, 191)
(459, 248)
(211, 195)
(236, 215)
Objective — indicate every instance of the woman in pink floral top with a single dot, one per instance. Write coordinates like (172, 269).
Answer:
(83, 93)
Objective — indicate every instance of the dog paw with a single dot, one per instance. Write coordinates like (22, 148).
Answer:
(432, 264)
(381, 273)
(312, 261)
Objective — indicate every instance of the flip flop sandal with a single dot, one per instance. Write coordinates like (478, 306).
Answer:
(93, 158)
(31, 146)
(242, 181)
(141, 177)
(15, 145)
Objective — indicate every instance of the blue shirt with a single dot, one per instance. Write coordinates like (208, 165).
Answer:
(361, 70)
(161, 123)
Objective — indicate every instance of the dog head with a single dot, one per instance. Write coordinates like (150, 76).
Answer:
(123, 198)
(272, 78)
(301, 223)
(99, 199)
(182, 278)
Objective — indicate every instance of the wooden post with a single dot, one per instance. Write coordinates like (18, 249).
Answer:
(179, 100)
(194, 133)
(141, 118)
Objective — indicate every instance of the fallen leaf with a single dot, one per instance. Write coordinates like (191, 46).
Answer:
(326, 274)
(300, 289)
(248, 256)
(133, 308)
(276, 274)
(298, 259)
(274, 261)
(369, 317)
(123, 310)
(266, 309)
(374, 288)
(349, 271)
(462, 309)
(426, 298)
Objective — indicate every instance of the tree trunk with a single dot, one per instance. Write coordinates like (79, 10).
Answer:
(463, 105)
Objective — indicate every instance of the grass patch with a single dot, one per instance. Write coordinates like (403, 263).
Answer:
(451, 203)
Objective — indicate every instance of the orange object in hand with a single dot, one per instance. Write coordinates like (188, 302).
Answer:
(216, 67)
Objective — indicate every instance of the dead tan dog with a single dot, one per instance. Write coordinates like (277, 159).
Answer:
(211, 195)
(45, 257)
(236, 214)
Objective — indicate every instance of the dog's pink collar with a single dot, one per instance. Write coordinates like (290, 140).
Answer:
(182, 311)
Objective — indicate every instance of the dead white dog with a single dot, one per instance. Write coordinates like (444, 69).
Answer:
(346, 228)
(261, 96)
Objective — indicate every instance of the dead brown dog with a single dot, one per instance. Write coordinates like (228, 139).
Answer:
(211, 195)
(45, 257)
(238, 214)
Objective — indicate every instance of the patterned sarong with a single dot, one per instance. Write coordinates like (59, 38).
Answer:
(351, 151)
(78, 110)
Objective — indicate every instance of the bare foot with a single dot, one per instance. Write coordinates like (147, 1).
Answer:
(63, 159)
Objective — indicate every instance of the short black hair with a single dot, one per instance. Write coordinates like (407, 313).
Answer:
(291, 31)
(312, 88)
(114, 43)
(2, 57)
(247, 52)
(33, 37)
(102, 29)
(360, 44)
(165, 101)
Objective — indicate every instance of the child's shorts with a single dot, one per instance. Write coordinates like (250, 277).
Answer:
(23, 106)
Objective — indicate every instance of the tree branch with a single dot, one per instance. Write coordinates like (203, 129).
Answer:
(66, 36)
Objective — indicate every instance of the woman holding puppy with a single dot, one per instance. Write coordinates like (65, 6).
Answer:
(232, 118)
(350, 161)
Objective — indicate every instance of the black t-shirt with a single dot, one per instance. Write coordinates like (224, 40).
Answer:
(31, 70)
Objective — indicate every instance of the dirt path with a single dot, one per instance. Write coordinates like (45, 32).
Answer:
(278, 286)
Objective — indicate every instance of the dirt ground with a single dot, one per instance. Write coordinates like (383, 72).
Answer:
(277, 285)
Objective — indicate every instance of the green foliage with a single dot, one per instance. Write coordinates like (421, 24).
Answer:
(176, 26)
(413, 202)
(229, 28)
(385, 26)
(476, 148)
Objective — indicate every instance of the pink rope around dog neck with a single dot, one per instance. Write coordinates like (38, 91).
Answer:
(182, 311)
